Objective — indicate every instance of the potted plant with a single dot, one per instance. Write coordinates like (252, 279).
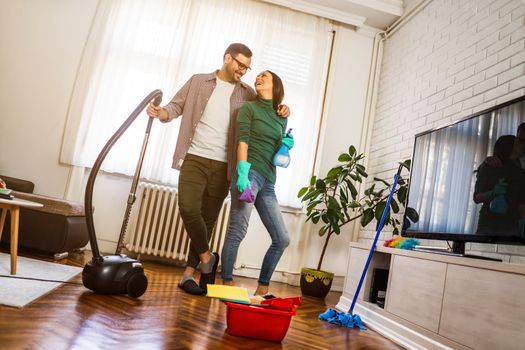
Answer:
(335, 201)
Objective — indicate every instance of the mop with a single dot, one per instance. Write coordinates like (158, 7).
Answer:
(349, 319)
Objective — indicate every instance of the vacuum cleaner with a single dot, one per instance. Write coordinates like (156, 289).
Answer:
(116, 274)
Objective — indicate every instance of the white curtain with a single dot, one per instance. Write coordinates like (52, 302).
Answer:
(442, 175)
(138, 46)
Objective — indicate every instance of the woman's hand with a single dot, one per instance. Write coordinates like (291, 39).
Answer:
(288, 141)
(243, 168)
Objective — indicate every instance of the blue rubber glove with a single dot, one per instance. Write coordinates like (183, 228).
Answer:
(243, 168)
(288, 140)
(500, 188)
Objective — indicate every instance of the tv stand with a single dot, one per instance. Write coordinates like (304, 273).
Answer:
(453, 252)
(437, 301)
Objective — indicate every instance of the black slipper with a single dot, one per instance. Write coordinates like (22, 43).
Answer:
(209, 278)
(191, 287)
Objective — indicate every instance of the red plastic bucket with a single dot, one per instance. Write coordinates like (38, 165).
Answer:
(258, 322)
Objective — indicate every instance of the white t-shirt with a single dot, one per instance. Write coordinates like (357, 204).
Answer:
(211, 134)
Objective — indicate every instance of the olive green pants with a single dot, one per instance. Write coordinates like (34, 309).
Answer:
(203, 186)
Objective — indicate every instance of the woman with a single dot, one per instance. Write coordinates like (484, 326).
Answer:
(259, 135)
(508, 180)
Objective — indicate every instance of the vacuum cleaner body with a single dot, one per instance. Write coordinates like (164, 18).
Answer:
(115, 274)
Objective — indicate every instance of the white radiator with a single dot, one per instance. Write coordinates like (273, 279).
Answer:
(156, 226)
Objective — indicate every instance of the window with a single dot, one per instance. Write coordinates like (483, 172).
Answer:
(139, 46)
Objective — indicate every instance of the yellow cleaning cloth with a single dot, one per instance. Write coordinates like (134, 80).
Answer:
(230, 293)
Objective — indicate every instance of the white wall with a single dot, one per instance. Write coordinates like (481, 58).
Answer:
(45, 40)
(42, 44)
(452, 59)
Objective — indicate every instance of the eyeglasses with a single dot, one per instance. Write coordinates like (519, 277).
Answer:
(241, 65)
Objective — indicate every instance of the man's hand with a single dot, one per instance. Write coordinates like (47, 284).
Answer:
(157, 112)
(283, 111)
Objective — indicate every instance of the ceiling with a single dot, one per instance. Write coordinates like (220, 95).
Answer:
(360, 13)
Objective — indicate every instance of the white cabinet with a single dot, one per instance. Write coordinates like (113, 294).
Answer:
(436, 301)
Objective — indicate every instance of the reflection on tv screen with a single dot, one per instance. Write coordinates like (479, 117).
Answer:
(468, 178)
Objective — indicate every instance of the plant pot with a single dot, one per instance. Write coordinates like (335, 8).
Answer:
(316, 283)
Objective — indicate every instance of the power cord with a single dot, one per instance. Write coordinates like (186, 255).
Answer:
(39, 279)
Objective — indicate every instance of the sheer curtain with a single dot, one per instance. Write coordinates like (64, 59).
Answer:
(138, 46)
(443, 178)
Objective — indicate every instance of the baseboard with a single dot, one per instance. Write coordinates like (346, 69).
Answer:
(374, 318)
(291, 278)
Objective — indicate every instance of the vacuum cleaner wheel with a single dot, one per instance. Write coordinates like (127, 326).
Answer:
(137, 284)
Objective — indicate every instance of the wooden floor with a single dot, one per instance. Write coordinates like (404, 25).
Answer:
(72, 317)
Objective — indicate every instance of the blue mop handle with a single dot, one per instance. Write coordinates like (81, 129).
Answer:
(380, 227)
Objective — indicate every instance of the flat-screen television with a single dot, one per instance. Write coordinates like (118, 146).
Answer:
(452, 188)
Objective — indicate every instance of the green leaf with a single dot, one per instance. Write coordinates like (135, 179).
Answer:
(354, 177)
(351, 150)
(324, 217)
(406, 164)
(302, 191)
(368, 215)
(352, 188)
(344, 157)
(337, 229)
(333, 204)
(402, 194)
(412, 214)
(315, 219)
(394, 206)
(379, 210)
(383, 181)
(344, 196)
(322, 231)
(370, 190)
(312, 180)
(333, 217)
(354, 204)
(387, 219)
(334, 172)
(312, 205)
(311, 195)
(320, 185)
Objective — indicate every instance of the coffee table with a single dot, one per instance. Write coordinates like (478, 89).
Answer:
(13, 206)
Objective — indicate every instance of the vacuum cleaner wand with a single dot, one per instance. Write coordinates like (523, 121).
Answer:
(133, 190)
(116, 274)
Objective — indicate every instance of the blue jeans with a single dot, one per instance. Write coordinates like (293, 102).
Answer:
(270, 213)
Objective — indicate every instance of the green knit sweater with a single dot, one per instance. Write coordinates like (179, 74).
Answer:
(262, 129)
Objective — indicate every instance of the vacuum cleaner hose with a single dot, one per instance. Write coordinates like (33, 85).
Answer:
(156, 97)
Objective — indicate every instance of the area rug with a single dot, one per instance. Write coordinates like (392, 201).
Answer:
(20, 292)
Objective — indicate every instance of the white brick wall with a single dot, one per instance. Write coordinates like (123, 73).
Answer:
(452, 59)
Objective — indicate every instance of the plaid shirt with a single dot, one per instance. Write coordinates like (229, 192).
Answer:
(190, 102)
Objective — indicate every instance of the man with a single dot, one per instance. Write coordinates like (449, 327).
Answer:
(520, 140)
(205, 153)
(519, 156)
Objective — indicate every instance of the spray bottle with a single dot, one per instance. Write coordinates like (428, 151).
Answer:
(282, 157)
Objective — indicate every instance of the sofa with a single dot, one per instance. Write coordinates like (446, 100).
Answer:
(58, 228)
